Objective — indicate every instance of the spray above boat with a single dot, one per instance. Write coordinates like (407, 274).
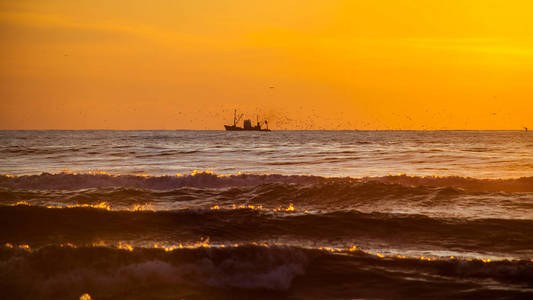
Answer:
(247, 124)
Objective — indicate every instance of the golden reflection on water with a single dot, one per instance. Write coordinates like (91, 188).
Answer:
(125, 246)
(149, 207)
(192, 174)
(142, 207)
(104, 173)
(101, 205)
(290, 208)
(205, 243)
(85, 296)
(25, 247)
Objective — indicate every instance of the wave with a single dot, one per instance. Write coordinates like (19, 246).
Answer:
(368, 197)
(42, 225)
(18, 150)
(321, 195)
(71, 181)
(250, 272)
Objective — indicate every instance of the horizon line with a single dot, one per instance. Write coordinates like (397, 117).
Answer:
(108, 129)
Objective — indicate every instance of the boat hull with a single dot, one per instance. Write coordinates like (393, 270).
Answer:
(236, 128)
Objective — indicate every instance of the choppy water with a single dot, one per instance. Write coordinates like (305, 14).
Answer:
(324, 214)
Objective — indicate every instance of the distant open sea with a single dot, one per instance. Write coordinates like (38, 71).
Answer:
(281, 214)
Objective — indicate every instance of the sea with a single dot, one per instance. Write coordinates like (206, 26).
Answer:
(103, 214)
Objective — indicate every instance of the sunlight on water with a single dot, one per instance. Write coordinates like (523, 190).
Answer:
(204, 242)
(142, 207)
(115, 213)
(125, 246)
(101, 205)
(25, 247)
(85, 296)
(478, 154)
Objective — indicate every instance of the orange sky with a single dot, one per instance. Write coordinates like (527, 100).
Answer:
(383, 64)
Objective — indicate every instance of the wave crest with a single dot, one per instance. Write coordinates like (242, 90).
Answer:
(33, 224)
(73, 181)
(64, 272)
(246, 272)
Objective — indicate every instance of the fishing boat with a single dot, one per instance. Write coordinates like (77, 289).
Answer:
(247, 124)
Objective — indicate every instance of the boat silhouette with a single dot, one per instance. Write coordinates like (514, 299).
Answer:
(247, 124)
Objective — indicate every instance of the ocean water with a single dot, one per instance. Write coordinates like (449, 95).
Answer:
(281, 214)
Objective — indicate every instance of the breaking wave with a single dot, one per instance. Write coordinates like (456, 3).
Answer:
(293, 216)
(42, 225)
(72, 181)
(277, 271)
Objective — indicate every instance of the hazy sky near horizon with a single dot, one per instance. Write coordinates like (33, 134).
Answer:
(329, 64)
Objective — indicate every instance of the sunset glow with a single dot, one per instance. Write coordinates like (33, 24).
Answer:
(282, 149)
(303, 65)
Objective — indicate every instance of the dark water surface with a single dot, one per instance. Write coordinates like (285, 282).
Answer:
(289, 214)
